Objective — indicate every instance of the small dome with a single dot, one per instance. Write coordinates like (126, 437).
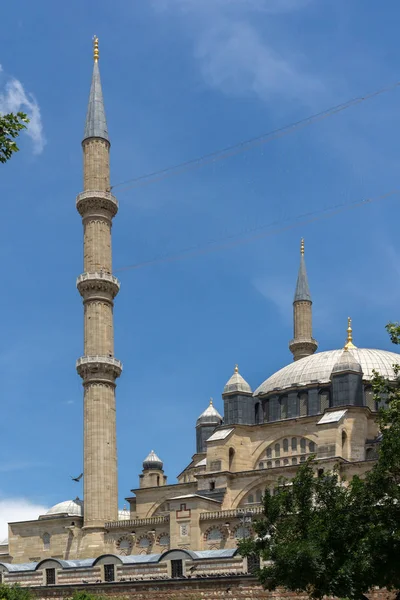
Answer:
(237, 384)
(347, 362)
(124, 514)
(210, 415)
(152, 462)
(72, 508)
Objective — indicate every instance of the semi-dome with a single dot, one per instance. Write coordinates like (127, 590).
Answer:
(317, 369)
(237, 384)
(209, 416)
(152, 462)
(72, 508)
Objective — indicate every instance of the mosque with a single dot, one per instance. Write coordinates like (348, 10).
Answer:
(321, 404)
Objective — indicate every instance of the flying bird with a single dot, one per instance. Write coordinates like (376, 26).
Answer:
(77, 478)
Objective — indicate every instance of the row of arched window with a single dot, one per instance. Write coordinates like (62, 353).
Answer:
(215, 534)
(295, 445)
(269, 464)
(311, 402)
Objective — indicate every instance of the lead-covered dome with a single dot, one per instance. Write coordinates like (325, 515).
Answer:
(317, 369)
(236, 384)
(72, 508)
(152, 462)
(209, 416)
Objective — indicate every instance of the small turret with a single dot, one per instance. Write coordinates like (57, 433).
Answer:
(302, 344)
(205, 426)
(152, 474)
(238, 401)
(347, 375)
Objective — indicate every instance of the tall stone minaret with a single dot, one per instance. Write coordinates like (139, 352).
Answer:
(303, 343)
(98, 288)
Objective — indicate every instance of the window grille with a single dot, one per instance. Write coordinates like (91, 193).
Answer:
(46, 541)
(294, 443)
(109, 573)
(50, 576)
(285, 445)
(176, 568)
(253, 563)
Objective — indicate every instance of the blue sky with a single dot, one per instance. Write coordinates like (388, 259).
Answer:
(182, 78)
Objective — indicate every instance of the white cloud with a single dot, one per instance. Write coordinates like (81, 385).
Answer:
(14, 99)
(17, 509)
(235, 48)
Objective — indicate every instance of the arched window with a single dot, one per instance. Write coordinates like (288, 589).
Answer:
(259, 496)
(269, 452)
(163, 540)
(369, 398)
(294, 461)
(257, 413)
(294, 444)
(285, 445)
(261, 465)
(323, 400)
(344, 438)
(269, 464)
(302, 458)
(303, 401)
(231, 457)
(158, 480)
(144, 542)
(250, 499)
(312, 447)
(124, 546)
(214, 534)
(303, 444)
(284, 407)
(277, 463)
(277, 450)
(46, 541)
(285, 461)
(212, 485)
(242, 533)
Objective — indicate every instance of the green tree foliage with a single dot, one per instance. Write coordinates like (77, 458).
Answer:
(10, 127)
(82, 595)
(327, 537)
(14, 592)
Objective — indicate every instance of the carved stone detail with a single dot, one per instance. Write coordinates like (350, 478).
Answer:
(92, 201)
(89, 284)
(99, 368)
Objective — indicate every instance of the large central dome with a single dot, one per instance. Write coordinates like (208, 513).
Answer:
(317, 368)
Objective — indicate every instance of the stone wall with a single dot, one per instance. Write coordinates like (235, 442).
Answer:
(235, 588)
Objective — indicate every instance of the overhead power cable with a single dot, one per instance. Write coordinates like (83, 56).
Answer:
(261, 231)
(248, 144)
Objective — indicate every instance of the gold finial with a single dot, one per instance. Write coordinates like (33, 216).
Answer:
(349, 341)
(211, 401)
(95, 48)
(302, 247)
(236, 368)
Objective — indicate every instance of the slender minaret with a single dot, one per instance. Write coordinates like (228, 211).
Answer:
(303, 343)
(98, 288)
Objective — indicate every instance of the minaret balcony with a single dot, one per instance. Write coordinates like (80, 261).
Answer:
(92, 201)
(91, 284)
(89, 366)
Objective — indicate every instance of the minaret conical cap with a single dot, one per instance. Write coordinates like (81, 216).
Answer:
(302, 288)
(96, 124)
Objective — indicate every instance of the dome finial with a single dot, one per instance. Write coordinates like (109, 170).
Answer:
(302, 247)
(236, 369)
(211, 401)
(95, 48)
(349, 341)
